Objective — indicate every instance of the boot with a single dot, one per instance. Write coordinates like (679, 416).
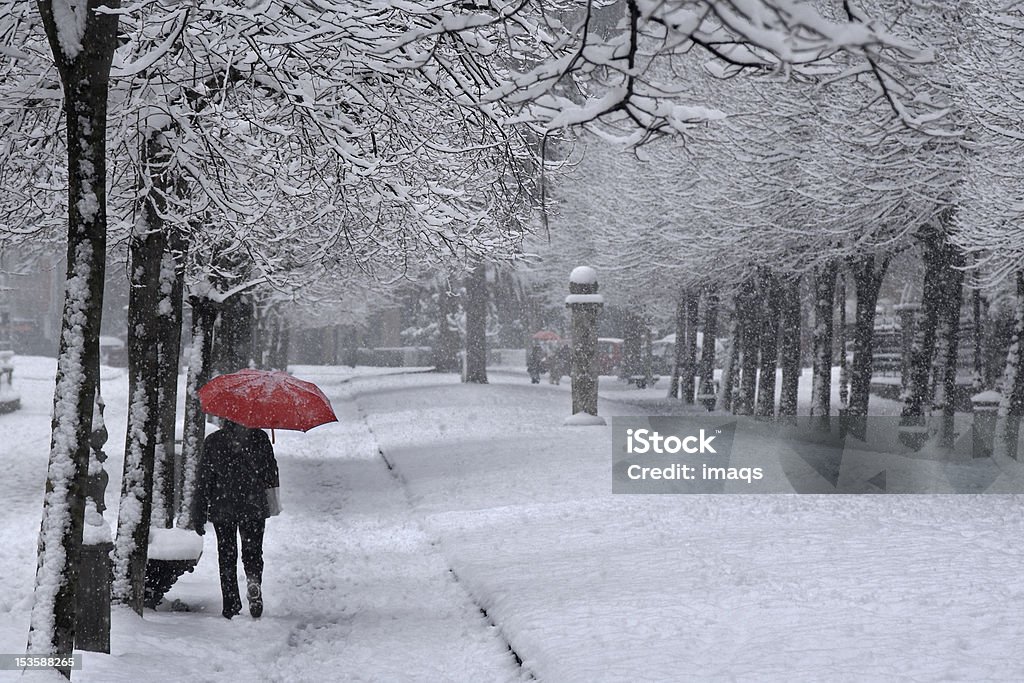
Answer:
(254, 592)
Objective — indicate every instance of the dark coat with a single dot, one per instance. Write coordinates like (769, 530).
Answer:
(535, 361)
(237, 468)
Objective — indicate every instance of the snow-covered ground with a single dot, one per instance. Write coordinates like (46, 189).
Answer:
(439, 524)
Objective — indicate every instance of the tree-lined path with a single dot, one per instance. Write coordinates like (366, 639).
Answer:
(497, 527)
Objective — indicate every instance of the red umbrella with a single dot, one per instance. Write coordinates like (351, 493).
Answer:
(545, 335)
(266, 399)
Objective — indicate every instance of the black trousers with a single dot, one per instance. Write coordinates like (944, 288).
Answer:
(251, 531)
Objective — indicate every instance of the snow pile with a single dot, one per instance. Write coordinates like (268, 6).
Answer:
(96, 529)
(583, 420)
(174, 544)
(584, 299)
(989, 397)
(583, 275)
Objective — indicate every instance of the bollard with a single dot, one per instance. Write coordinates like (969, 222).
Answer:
(92, 608)
(985, 407)
(585, 304)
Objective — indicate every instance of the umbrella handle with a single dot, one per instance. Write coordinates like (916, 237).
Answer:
(271, 435)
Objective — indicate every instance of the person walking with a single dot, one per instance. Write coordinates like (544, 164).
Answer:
(535, 364)
(236, 491)
(559, 364)
(565, 359)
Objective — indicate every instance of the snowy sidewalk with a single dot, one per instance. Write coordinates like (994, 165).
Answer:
(493, 505)
(590, 586)
(355, 591)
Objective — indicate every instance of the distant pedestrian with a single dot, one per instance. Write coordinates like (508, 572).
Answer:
(237, 470)
(560, 364)
(565, 359)
(535, 364)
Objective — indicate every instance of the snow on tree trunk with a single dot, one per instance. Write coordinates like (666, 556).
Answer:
(824, 306)
(706, 386)
(868, 273)
(690, 366)
(790, 355)
(769, 344)
(204, 314)
(83, 62)
(750, 342)
(146, 248)
(476, 325)
(678, 352)
(172, 281)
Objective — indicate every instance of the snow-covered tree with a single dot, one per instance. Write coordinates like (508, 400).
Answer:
(82, 39)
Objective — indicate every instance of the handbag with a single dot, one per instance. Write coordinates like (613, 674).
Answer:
(273, 502)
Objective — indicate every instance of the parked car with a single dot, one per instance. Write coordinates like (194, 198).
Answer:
(113, 352)
(663, 352)
(609, 355)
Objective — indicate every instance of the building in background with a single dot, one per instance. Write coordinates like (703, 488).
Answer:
(9, 397)
(35, 283)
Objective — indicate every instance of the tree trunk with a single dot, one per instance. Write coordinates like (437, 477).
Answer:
(632, 346)
(706, 388)
(769, 345)
(85, 79)
(824, 306)
(284, 344)
(172, 285)
(678, 350)
(146, 250)
(446, 355)
(269, 327)
(476, 325)
(233, 339)
(868, 274)
(647, 362)
(978, 382)
(204, 315)
(750, 326)
(918, 388)
(955, 284)
(790, 356)
(690, 365)
(937, 382)
(844, 369)
(724, 401)
(1012, 406)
